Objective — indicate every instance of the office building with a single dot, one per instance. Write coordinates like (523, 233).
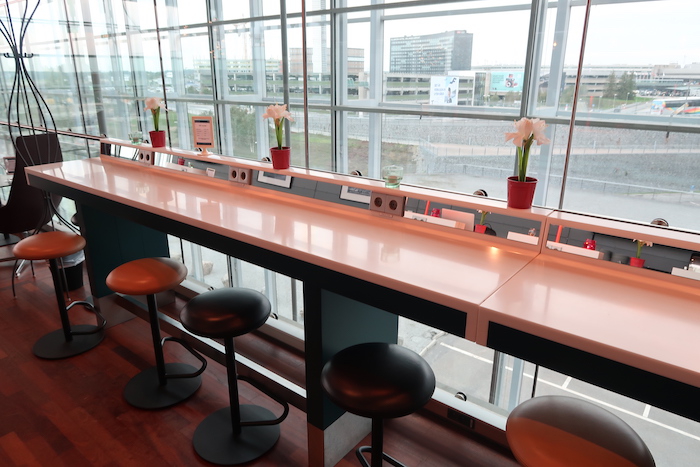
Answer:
(431, 54)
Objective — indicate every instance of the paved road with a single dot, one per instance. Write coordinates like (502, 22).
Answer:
(464, 366)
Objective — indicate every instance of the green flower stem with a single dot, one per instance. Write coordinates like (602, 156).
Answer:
(279, 129)
(156, 118)
(523, 158)
(483, 217)
(640, 244)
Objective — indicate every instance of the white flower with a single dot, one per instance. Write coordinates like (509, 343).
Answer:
(153, 103)
(644, 242)
(278, 112)
(528, 130)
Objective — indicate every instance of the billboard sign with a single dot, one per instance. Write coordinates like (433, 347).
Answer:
(444, 90)
(505, 81)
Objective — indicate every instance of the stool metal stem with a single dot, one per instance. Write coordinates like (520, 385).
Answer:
(58, 287)
(155, 336)
(377, 442)
(232, 374)
(69, 340)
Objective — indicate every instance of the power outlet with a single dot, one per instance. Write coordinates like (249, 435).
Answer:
(389, 204)
(239, 175)
(146, 157)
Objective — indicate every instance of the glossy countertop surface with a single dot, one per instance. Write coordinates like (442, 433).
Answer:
(652, 325)
(444, 268)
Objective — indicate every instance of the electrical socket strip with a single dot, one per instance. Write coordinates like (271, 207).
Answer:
(389, 204)
(146, 156)
(239, 175)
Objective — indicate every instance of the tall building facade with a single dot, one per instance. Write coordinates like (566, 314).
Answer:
(431, 54)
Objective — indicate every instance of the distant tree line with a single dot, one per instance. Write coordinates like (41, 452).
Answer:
(622, 87)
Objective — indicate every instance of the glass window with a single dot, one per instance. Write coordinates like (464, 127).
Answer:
(432, 86)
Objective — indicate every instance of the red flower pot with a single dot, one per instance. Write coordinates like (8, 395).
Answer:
(520, 194)
(280, 157)
(637, 262)
(157, 138)
(480, 228)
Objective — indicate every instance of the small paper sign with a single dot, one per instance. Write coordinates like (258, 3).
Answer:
(203, 133)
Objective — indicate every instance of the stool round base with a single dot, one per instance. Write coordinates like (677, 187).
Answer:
(214, 440)
(144, 392)
(53, 346)
(363, 460)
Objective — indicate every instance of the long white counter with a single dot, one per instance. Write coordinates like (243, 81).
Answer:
(619, 328)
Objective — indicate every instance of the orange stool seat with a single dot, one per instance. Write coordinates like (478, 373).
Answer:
(69, 340)
(48, 245)
(146, 276)
(165, 384)
(552, 431)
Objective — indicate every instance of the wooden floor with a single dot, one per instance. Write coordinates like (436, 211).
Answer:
(71, 412)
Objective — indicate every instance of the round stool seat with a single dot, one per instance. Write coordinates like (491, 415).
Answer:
(378, 380)
(551, 431)
(146, 276)
(227, 312)
(239, 433)
(48, 245)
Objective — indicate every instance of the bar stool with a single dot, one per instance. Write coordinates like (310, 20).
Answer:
(551, 431)
(166, 384)
(69, 340)
(239, 433)
(378, 380)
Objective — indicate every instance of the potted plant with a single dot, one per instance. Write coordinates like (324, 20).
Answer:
(637, 261)
(281, 154)
(521, 188)
(481, 227)
(157, 136)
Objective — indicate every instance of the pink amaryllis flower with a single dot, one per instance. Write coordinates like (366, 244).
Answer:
(278, 113)
(526, 131)
(154, 104)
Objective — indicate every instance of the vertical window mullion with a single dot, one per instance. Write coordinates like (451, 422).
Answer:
(257, 38)
(219, 73)
(534, 61)
(376, 78)
(339, 88)
(285, 68)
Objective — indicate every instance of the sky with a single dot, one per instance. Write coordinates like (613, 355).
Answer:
(642, 33)
(634, 34)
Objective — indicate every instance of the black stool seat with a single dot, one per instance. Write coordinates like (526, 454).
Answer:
(239, 433)
(378, 380)
(226, 313)
(550, 431)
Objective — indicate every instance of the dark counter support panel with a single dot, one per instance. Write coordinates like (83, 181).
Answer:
(334, 322)
(653, 389)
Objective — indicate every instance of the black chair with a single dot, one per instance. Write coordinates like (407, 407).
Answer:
(27, 208)
(239, 433)
(378, 380)
(552, 431)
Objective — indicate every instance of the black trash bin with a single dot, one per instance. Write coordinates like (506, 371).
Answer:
(73, 269)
